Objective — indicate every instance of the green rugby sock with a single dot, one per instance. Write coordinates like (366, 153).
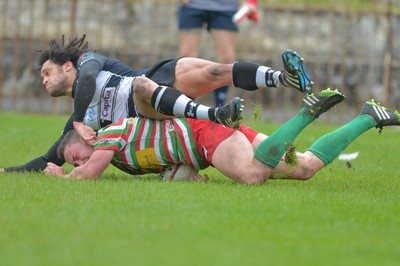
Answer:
(328, 147)
(271, 150)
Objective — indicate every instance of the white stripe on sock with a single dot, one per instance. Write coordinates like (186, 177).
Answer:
(159, 95)
(260, 76)
(275, 76)
(180, 105)
(202, 112)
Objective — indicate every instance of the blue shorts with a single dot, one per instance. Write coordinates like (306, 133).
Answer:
(190, 18)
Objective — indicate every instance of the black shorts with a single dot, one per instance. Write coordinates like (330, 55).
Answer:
(163, 73)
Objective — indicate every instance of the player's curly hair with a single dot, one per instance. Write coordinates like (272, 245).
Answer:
(59, 53)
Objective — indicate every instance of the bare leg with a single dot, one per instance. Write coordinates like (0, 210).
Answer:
(225, 45)
(161, 102)
(143, 91)
(189, 42)
(307, 166)
(196, 77)
(259, 138)
(234, 158)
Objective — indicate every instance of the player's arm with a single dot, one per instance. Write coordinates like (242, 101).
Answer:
(94, 167)
(89, 67)
(40, 163)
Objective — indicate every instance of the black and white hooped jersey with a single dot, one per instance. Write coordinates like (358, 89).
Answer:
(113, 100)
(113, 97)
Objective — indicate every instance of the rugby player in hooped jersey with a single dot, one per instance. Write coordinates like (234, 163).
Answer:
(141, 145)
(106, 90)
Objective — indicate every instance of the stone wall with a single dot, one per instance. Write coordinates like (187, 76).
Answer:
(343, 49)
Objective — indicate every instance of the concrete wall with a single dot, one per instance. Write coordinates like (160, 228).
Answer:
(343, 49)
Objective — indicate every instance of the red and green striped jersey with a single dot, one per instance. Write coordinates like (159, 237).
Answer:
(144, 145)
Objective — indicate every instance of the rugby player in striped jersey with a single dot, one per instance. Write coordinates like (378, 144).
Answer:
(140, 146)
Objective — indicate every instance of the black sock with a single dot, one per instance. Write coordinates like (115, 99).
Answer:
(169, 101)
(244, 75)
(249, 76)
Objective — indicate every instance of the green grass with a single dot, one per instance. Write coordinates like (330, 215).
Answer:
(358, 4)
(337, 5)
(343, 216)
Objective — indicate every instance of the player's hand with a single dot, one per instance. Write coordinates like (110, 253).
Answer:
(248, 10)
(54, 170)
(2, 170)
(85, 132)
(253, 13)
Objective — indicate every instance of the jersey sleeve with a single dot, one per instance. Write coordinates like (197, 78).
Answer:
(110, 140)
(89, 66)
(40, 163)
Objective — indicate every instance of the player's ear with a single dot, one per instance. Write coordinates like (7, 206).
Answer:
(82, 141)
(68, 66)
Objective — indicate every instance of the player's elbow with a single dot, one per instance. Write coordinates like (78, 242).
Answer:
(86, 173)
(88, 177)
(92, 174)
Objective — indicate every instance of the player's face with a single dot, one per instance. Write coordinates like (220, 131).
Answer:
(54, 79)
(77, 154)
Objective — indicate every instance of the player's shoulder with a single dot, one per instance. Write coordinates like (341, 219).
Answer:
(88, 56)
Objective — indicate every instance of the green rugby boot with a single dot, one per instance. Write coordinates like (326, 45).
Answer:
(323, 101)
(382, 115)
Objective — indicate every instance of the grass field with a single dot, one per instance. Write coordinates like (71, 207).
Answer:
(343, 216)
(368, 5)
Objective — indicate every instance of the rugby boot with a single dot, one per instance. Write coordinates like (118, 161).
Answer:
(295, 74)
(382, 115)
(230, 113)
(322, 102)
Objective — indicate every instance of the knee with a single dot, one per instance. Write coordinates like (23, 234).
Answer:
(254, 179)
(143, 87)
